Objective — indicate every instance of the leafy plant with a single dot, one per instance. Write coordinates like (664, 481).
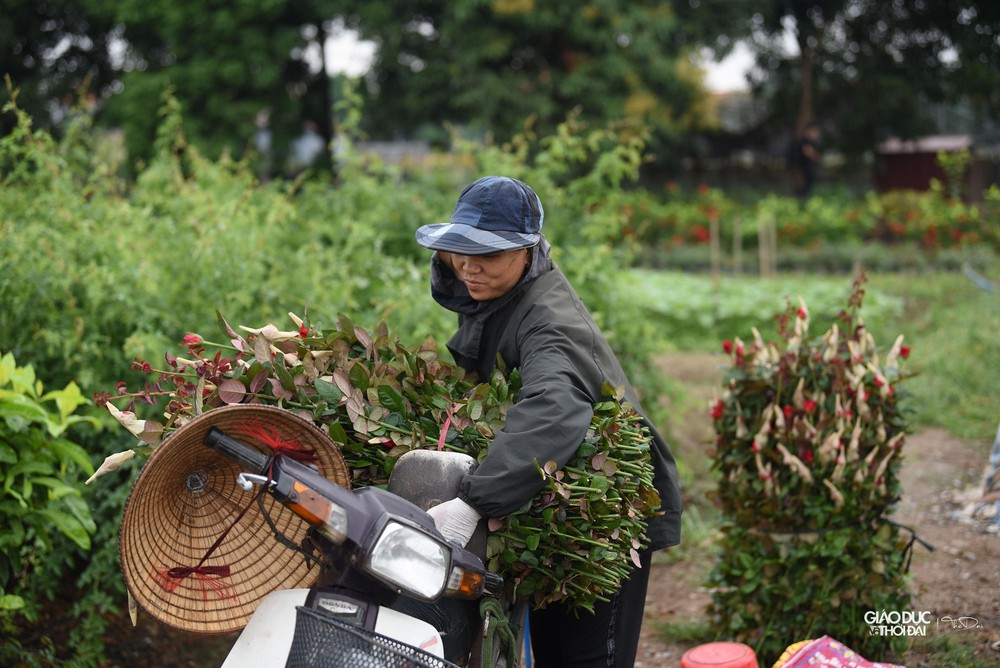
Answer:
(378, 399)
(809, 435)
(42, 509)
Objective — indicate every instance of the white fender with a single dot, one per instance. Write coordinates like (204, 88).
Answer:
(265, 641)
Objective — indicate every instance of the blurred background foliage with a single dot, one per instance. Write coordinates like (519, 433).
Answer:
(499, 67)
(137, 197)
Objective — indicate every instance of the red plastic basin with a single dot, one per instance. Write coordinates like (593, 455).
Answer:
(719, 655)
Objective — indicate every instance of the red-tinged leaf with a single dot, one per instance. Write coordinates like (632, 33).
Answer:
(278, 390)
(495, 523)
(550, 467)
(152, 432)
(599, 460)
(258, 382)
(225, 325)
(261, 349)
(635, 558)
(363, 338)
(232, 391)
(342, 382)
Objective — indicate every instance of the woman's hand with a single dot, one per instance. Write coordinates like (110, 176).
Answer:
(456, 520)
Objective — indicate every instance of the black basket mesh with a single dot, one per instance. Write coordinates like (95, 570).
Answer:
(323, 641)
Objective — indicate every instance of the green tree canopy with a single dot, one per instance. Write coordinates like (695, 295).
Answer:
(866, 69)
(226, 61)
(499, 64)
(51, 51)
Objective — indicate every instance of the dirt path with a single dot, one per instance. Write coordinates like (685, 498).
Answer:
(959, 579)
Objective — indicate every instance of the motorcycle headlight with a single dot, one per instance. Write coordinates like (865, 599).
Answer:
(411, 561)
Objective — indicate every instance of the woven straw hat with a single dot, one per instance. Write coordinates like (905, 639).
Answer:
(185, 499)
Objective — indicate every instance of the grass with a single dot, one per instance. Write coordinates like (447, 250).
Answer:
(954, 329)
(950, 322)
(945, 652)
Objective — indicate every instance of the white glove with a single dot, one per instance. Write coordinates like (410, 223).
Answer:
(455, 519)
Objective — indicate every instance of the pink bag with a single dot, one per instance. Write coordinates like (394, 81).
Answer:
(825, 651)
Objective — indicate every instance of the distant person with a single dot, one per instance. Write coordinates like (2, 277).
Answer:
(306, 149)
(805, 160)
(263, 144)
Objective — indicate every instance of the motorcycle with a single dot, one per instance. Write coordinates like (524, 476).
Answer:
(391, 590)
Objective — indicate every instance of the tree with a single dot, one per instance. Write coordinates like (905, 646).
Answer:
(225, 63)
(873, 68)
(497, 66)
(53, 52)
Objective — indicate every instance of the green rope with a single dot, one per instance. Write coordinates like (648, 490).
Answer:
(497, 626)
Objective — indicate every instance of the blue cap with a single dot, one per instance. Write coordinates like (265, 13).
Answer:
(493, 215)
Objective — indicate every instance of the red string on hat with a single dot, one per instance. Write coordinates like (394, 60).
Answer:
(212, 577)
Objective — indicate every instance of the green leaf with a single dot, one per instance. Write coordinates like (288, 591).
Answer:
(11, 602)
(19, 406)
(528, 559)
(57, 488)
(67, 399)
(286, 378)
(67, 451)
(390, 398)
(338, 433)
(328, 392)
(359, 377)
(69, 526)
(78, 507)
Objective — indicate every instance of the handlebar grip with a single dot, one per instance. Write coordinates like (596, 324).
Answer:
(493, 585)
(248, 458)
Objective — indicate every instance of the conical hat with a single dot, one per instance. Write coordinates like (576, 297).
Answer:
(186, 498)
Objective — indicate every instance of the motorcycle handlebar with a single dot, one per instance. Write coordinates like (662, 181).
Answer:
(248, 458)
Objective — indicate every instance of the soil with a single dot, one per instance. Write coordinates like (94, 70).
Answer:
(941, 476)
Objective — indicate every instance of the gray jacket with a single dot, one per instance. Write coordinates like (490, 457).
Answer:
(543, 329)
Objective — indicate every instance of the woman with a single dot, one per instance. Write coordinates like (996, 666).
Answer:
(516, 308)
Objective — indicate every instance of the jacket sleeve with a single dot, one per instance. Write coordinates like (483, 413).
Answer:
(548, 422)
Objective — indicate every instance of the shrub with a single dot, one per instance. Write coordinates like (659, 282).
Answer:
(47, 523)
(809, 435)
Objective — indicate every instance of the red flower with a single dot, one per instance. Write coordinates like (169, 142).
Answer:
(303, 331)
(809, 406)
(788, 410)
(191, 339)
(802, 313)
(718, 410)
(700, 234)
(904, 351)
(727, 347)
(703, 189)
(807, 456)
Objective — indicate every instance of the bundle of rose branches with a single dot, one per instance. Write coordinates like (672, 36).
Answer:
(576, 540)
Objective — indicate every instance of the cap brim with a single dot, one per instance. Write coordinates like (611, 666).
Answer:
(468, 240)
